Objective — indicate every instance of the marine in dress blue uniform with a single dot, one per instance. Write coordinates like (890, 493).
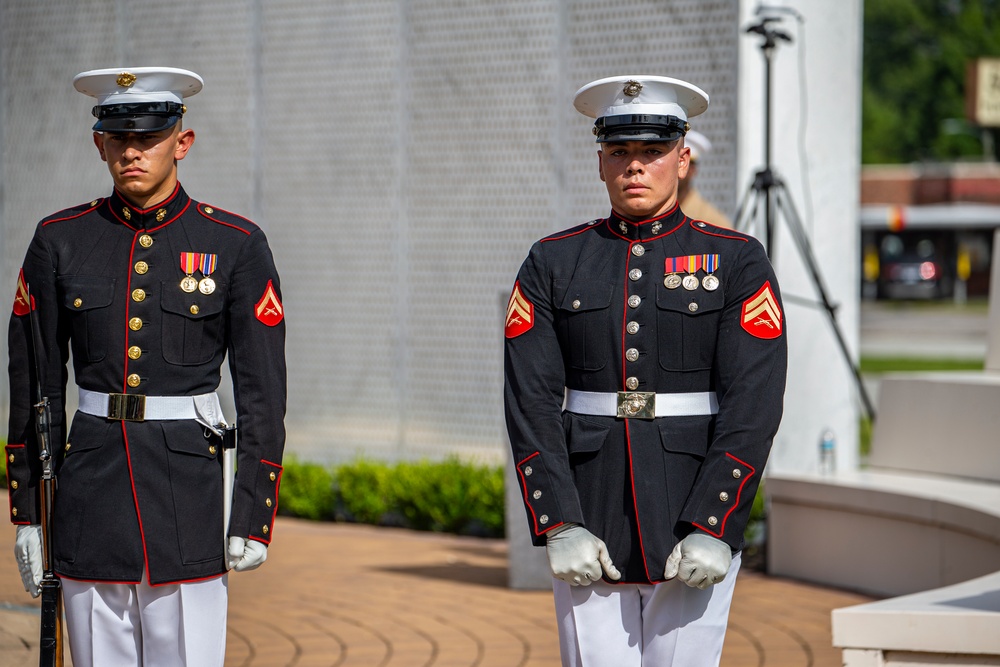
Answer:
(645, 365)
(150, 299)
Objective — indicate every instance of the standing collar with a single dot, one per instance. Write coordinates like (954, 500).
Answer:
(645, 230)
(152, 217)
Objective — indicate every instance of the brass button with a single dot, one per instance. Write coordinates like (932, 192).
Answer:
(195, 309)
(209, 210)
(134, 352)
(94, 203)
(13, 484)
(576, 304)
(632, 354)
(133, 380)
(544, 519)
(712, 521)
(268, 502)
(634, 301)
(68, 445)
(13, 511)
(145, 240)
(273, 476)
(632, 383)
(527, 470)
(638, 250)
(141, 267)
(723, 496)
(635, 274)
(265, 530)
(77, 302)
(693, 307)
(212, 450)
(632, 327)
(135, 324)
(139, 294)
(536, 495)
(736, 473)
(11, 458)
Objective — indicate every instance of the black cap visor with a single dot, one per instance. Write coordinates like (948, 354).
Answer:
(139, 117)
(639, 127)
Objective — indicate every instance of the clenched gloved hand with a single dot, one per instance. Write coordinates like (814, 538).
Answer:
(577, 556)
(699, 560)
(28, 552)
(246, 554)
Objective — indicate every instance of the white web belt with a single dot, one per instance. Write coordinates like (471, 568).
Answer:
(640, 404)
(204, 408)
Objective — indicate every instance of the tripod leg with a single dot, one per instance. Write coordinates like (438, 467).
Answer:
(745, 215)
(784, 204)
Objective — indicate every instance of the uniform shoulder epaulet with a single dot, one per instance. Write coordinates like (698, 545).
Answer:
(720, 232)
(573, 231)
(224, 217)
(73, 211)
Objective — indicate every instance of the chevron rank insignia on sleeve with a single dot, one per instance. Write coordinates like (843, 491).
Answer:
(520, 313)
(761, 316)
(21, 305)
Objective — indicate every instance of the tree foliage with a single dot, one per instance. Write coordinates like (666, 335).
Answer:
(913, 96)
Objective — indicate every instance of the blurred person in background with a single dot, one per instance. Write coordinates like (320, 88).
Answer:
(693, 203)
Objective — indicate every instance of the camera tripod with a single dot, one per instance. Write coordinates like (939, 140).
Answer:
(770, 190)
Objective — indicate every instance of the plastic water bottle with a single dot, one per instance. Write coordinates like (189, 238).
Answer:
(827, 453)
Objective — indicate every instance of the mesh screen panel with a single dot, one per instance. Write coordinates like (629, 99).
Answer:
(401, 156)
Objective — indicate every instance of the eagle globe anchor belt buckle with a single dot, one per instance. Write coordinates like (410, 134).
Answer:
(127, 407)
(636, 405)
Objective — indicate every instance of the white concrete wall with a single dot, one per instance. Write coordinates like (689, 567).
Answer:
(815, 148)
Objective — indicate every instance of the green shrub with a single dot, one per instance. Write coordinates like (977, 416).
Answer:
(307, 490)
(446, 496)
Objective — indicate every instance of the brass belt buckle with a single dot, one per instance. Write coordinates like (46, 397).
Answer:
(636, 405)
(127, 407)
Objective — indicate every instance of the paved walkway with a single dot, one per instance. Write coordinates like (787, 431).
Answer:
(394, 598)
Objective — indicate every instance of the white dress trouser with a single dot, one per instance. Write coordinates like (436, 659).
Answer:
(643, 625)
(126, 625)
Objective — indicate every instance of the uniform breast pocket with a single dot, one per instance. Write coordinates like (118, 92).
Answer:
(583, 322)
(193, 324)
(88, 300)
(688, 327)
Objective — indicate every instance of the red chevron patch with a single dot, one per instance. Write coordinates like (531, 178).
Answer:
(520, 314)
(269, 309)
(761, 316)
(21, 297)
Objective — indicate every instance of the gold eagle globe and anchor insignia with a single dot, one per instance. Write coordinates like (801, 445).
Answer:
(636, 405)
(632, 88)
(125, 79)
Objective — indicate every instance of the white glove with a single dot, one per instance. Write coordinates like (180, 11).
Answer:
(576, 556)
(246, 554)
(28, 552)
(700, 560)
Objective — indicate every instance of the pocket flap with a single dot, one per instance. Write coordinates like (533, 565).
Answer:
(693, 302)
(188, 437)
(686, 435)
(86, 292)
(584, 295)
(194, 305)
(583, 434)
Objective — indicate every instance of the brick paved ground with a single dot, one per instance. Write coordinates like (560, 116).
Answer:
(394, 598)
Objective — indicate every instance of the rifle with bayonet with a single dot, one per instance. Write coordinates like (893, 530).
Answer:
(50, 637)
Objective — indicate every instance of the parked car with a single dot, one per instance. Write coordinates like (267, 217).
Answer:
(917, 271)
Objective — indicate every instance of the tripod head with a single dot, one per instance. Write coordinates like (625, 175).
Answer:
(769, 33)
